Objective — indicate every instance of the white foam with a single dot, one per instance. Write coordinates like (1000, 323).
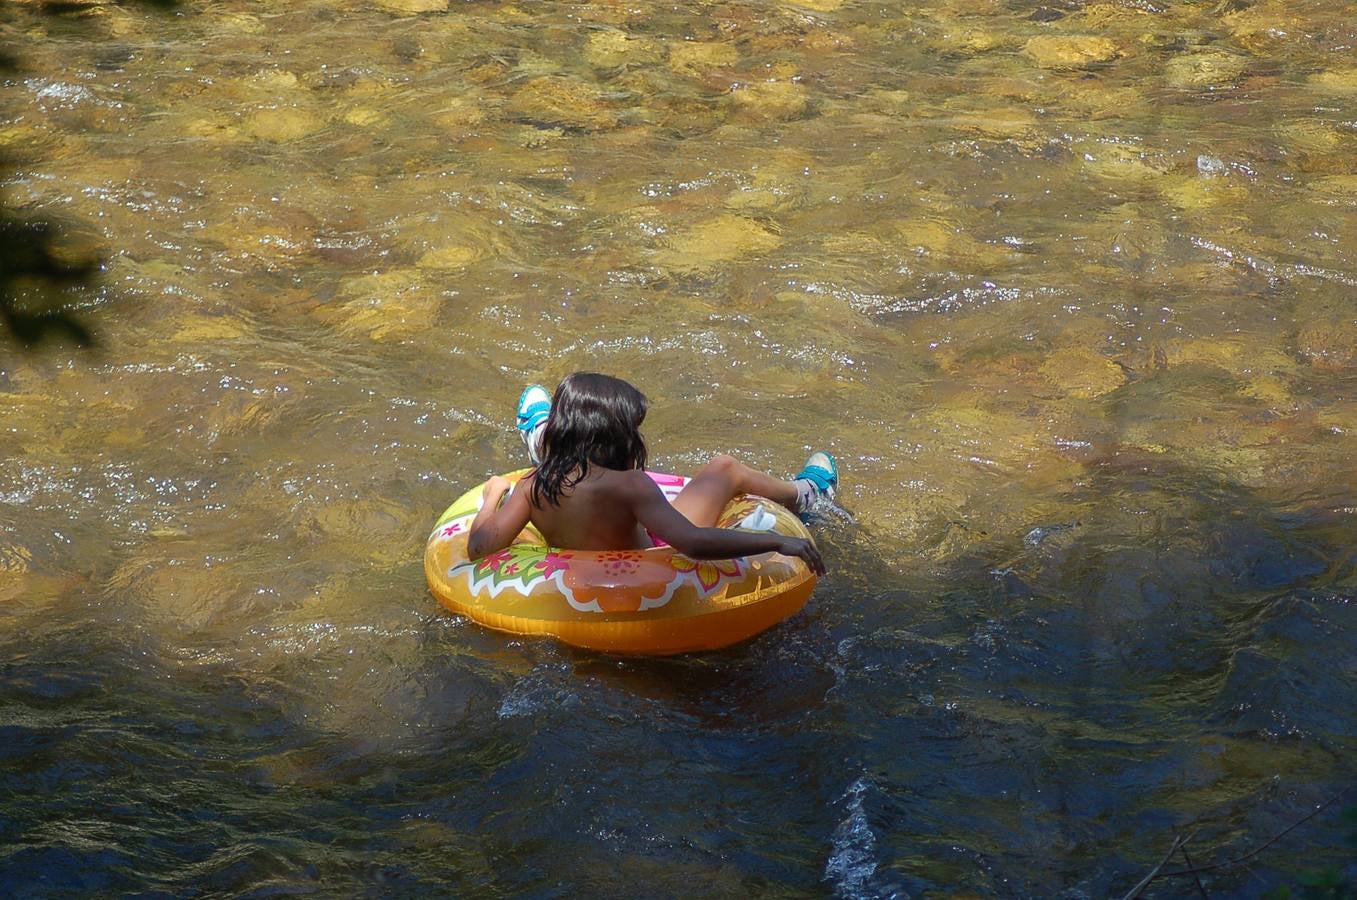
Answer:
(853, 862)
(534, 693)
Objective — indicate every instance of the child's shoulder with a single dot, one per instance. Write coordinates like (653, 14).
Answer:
(626, 480)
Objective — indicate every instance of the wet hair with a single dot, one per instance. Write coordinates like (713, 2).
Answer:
(595, 421)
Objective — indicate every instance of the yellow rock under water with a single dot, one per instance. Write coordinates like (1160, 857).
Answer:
(611, 49)
(1120, 162)
(1102, 17)
(1070, 52)
(365, 117)
(1335, 81)
(1206, 69)
(1311, 135)
(1329, 342)
(717, 240)
(1081, 372)
(1265, 27)
(1190, 192)
(452, 257)
(698, 57)
(771, 101)
(565, 101)
(413, 7)
(1235, 356)
(459, 114)
(239, 21)
(929, 237)
(1272, 392)
(969, 42)
(201, 329)
(281, 124)
(274, 81)
(1339, 186)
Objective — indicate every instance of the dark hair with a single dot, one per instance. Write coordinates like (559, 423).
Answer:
(595, 421)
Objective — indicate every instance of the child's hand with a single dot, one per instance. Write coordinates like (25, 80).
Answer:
(803, 549)
(495, 488)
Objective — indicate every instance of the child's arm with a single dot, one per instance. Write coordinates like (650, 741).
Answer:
(658, 517)
(495, 526)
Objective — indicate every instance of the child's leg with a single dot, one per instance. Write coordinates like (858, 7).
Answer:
(723, 479)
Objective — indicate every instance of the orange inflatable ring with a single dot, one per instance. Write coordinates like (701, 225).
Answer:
(655, 601)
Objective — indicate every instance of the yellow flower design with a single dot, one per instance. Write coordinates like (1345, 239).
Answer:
(709, 572)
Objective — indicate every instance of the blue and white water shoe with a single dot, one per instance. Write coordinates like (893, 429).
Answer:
(817, 482)
(534, 405)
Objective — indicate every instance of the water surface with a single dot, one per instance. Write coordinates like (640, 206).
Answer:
(1068, 289)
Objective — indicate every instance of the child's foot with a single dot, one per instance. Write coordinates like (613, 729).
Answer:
(534, 405)
(818, 480)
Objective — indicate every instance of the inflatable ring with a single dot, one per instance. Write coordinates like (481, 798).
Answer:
(654, 601)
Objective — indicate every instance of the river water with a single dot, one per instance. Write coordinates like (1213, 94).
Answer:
(1067, 288)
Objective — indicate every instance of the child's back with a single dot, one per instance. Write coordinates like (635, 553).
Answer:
(596, 513)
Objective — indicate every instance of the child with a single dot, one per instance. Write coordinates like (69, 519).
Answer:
(590, 490)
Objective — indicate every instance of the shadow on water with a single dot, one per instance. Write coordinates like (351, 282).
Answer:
(1070, 699)
(1057, 703)
(1082, 693)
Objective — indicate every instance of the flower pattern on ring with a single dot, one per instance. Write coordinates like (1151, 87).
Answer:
(709, 572)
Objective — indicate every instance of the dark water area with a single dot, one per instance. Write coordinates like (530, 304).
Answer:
(1068, 290)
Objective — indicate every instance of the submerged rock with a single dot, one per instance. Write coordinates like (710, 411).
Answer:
(450, 257)
(1335, 81)
(1071, 52)
(771, 101)
(1099, 18)
(823, 40)
(612, 49)
(717, 240)
(561, 100)
(1191, 192)
(1121, 162)
(1244, 358)
(197, 328)
(1311, 135)
(413, 7)
(1272, 392)
(366, 117)
(459, 115)
(1082, 373)
(1265, 27)
(281, 124)
(700, 57)
(969, 42)
(1210, 69)
(240, 21)
(386, 306)
(1329, 342)
(944, 239)
(1342, 187)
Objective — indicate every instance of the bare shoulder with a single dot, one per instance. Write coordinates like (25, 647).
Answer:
(524, 484)
(523, 488)
(632, 483)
